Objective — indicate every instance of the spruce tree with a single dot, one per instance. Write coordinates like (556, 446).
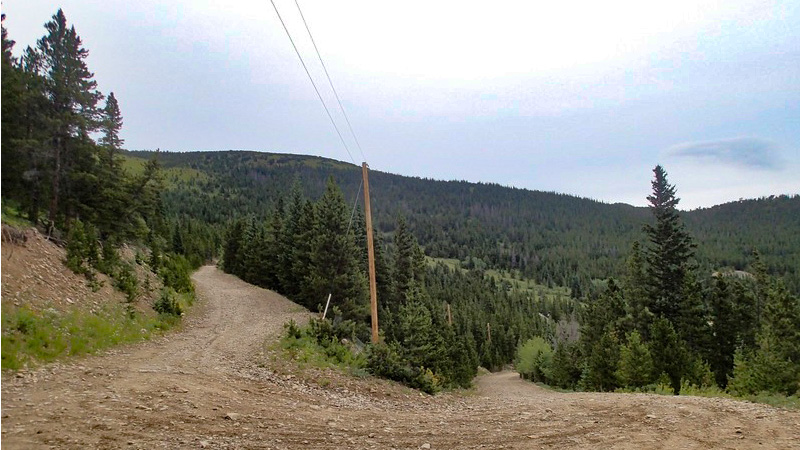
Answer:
(635, 362)
(334, 259)
(73, 95)
(669, 355)
(669, 252)
(724, 331)
(638, 315)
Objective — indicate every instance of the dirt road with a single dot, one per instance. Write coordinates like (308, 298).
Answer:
(211, 386)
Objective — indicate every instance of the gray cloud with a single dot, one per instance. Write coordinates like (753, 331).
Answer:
(746, 152)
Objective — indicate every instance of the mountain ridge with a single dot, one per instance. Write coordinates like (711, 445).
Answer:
(554, 238)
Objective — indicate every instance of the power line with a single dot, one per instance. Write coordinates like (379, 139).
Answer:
(355, 203)
(313, 84)
(330, 81)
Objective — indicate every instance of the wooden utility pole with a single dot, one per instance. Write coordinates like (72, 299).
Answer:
(373, 295)
(449, 315)
(488, 332)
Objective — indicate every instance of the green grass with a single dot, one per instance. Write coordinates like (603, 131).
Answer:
(767, 398)
(30, 338)
(514, 279)
(12, 216)
(133, 165)
(309, 354)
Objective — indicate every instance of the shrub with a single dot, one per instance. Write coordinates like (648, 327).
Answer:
(176, 271)
(384, 361)
(426, 381)
(125, 280)
(168, 303)
(292, 330)
(534, 359)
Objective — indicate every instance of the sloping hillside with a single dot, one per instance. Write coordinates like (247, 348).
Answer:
(549, 237)
(50, 312)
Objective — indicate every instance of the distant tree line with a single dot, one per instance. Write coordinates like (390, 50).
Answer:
(554, 239)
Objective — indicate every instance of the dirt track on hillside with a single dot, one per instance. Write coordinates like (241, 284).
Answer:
(212, 385)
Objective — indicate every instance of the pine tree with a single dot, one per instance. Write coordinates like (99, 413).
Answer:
(635, 362)
(669, 252)
(602, 364)
(668, 353)
(334, 259)
(110, 126)
(724, 331)
(639, 315)
(73, 95)
(231, 256)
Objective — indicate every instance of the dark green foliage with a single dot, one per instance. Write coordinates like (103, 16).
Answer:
(334, 259)
(774, 365)
(386, 361)
(168, 303)
(635, 362)
(176, 271)
(82, 248)
(566, 366)
(600, 373)
(668, 353)
(383, 360)
(668, 258)
(725, 330)
(125, 280)
(292, 330)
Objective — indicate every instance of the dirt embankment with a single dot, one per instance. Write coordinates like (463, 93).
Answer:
(211, 386)
(34, 275)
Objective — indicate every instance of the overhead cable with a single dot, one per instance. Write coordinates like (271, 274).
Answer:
(313, 84)
(336, 94)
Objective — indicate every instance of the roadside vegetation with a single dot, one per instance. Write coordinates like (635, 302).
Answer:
(34, 337)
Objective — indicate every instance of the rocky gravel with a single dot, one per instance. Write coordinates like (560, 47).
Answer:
(215, 384)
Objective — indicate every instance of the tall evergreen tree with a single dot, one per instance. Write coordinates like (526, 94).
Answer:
(334, 259)
(73, 95)
(669, 251)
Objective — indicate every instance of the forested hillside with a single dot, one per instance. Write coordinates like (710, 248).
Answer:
(555, 239)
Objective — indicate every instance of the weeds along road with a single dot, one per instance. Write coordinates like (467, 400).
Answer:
(213, 385)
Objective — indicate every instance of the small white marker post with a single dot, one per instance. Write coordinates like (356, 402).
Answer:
(326, 307)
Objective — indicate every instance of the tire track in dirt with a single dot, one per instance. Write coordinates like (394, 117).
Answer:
(209, 385)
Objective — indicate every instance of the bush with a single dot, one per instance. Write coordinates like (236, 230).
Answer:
(168, 303)
(426, 381)
(176, 271)
(125, 280)
(763, 372)
(323, 330)
(385, 362)
(292, 330)
(534, 359)
(81, 248)
(565, 370)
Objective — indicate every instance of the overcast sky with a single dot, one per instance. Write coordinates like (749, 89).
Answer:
(568, 96)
